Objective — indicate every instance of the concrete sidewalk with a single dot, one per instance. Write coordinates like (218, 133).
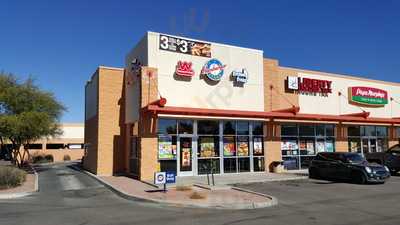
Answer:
(195, 192)
(188, 196)
(242, 178)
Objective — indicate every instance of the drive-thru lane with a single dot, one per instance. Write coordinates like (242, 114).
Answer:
(68, 196)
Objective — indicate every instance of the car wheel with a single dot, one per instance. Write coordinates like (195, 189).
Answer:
(313, 173)
(359, 178)
(393, 172)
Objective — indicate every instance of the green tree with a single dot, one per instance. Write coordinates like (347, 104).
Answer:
(27, 114)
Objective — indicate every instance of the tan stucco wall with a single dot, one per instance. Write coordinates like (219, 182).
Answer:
(110, 93)
(91, 141)
(147, 125)
(58, 154)
(274, 87)
(272, 143)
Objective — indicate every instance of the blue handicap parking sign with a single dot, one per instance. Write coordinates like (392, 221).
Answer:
(170, 177)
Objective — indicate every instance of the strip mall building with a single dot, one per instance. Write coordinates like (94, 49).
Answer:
(187, 106)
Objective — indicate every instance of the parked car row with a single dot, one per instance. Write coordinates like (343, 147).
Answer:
(348, 166)
(389, 158)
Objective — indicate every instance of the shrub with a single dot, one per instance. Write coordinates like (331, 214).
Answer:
(197, 195)
(49, 158)
(67, 158)
(11, 177)
(37, 158)
(40, 158)
(183, 188)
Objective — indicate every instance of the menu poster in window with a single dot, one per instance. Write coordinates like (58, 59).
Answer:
(303, 145)
(329, 146)
(207, 147)
(289, 145)
(229, 146)
(354, 146)
(185, 157)
(165, 148)
(243, 146)
(320, 146)
(310, 147)
(258, 146)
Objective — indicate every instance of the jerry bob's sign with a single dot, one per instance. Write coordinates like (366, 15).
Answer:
(368, 96)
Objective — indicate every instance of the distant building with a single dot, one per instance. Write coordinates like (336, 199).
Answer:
(70, 143)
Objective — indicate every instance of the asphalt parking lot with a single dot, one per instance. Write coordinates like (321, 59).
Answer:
(69, 197)
(329, 202)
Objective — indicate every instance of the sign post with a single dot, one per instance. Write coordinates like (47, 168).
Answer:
(164, 178)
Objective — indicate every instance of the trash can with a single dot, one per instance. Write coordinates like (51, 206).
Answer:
(277, 167)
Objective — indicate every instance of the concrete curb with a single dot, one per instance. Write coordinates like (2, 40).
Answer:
(25, 193)
(273, 201)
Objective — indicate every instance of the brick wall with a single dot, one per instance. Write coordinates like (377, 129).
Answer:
(147, 125)
(109, 140)
(275, 96)
(91, 137)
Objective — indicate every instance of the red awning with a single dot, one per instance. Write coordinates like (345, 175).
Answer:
(363, 114)
(357, 118)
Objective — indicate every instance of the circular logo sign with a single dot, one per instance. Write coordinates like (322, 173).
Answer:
(213, 69)
(160, 178)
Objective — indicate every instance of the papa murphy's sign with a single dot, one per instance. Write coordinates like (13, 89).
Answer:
(368, 96)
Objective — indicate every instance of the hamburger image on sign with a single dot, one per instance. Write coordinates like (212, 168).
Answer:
(368, 96)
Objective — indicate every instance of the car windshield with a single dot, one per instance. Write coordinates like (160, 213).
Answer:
(395, 149)
(354, 158)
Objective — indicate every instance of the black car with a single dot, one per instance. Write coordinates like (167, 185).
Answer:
(347, 166)
(389, 158)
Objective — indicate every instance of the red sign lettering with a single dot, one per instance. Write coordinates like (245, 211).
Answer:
(184, 69)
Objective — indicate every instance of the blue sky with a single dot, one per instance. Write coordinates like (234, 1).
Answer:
(61, 43)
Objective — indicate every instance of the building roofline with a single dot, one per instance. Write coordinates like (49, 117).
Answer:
(226, 45)
(346, 76)
(111, 68)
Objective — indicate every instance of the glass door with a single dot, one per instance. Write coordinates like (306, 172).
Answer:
(372, 145)
(185, 156)
(369, 145)
(365, 145)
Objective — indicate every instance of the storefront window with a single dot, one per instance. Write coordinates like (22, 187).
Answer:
(166, 126)
(185, 126)
(208, 146)
(241, 141)
(355, 145)
(368, 131)
(300, 143)
(381, 131)
(320, 130)
(307, 130)
(229, 128)
(330, 130)
(186, 143)
(365, 139)
(208, 127)
(353, 131)
(242, 128)
(167, 144)
(258, 128)
(289, 130)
